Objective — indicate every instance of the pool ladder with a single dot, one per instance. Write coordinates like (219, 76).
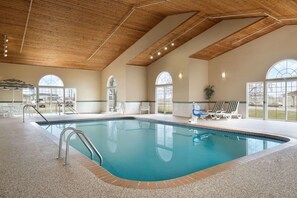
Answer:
(85, 140)
(34, 107)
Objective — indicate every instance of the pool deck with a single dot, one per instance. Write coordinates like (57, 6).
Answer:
(28, 166)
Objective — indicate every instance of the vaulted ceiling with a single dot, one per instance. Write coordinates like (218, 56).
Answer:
(90, 34)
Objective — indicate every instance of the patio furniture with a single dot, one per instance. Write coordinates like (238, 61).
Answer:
(231, 110)
(197, 113)
(218, 107)
(145, 106)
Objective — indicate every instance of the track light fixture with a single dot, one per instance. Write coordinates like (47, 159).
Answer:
(172, 42)
(5, 46)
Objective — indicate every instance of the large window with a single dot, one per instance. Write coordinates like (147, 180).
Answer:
(282, 90)
(283, 69)
(255, 99)
(111, 94)
(280, 94)
(50, 94)
(164, 93)
(51, 80)
(53, 97)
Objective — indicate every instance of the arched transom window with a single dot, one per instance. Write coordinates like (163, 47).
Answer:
(112, 82)
(283, 69)
(51, 81)
(164, 78)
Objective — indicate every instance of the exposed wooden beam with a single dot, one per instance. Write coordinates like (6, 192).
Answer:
(121, 23)
(112, 33)
(151, 4)
(26, 26)
(192, 27)
(244, 35)
(64, 33)
(240, 14)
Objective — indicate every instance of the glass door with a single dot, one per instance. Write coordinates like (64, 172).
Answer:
(164, 99)
(292, 100)
(70, 100)
(168, 100)
(111, 99)
(276, 100)
(50, 100)
(255, 100)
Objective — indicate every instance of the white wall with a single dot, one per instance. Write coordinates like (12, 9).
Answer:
(195, 72)
(87, 83)
(250, 62)
(123, 73)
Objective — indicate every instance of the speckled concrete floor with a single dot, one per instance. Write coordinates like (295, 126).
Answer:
(28, 168)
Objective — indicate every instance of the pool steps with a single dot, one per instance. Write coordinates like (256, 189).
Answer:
(85, 140)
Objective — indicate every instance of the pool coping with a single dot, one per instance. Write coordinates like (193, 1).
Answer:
(109, 178)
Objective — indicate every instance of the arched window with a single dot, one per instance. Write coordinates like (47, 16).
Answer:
(164, 78)
(276, 98)
(111, 82)
(283, 69)
(51, 94)
(111, 94)
(51, 81)
(164, 93)
(281, 93)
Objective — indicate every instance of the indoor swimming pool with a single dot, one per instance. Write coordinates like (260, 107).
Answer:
(145, 150)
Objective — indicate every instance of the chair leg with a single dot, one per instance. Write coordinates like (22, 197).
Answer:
(219, 116)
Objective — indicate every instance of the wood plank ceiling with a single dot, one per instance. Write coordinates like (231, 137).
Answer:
(85, 34)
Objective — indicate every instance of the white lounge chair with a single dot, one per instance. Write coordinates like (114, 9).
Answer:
(145, 106)
(218, 107)
(231, 110)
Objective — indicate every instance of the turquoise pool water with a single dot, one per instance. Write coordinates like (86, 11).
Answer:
(153, 151)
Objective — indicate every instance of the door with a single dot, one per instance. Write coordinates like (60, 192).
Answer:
(276, 100)
(111, 99)
(50, 100)
(70, 100)
(255, 100)
(164, 99)
(292, 100)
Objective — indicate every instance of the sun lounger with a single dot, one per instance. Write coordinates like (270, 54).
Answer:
(231, 111)
(218, 107)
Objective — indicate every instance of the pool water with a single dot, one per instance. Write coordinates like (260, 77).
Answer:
(153, 151)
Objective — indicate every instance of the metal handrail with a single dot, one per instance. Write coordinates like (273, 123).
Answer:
(33, 106)
(86, 141)
(72, 110)
(60, 142)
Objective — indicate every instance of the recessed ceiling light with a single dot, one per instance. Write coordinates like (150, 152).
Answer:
(151, 57)
(165, 48)
(172, 44)
(159, 53)
(5, 55)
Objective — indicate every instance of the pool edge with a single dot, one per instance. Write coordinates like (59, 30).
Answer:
(109, 178)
